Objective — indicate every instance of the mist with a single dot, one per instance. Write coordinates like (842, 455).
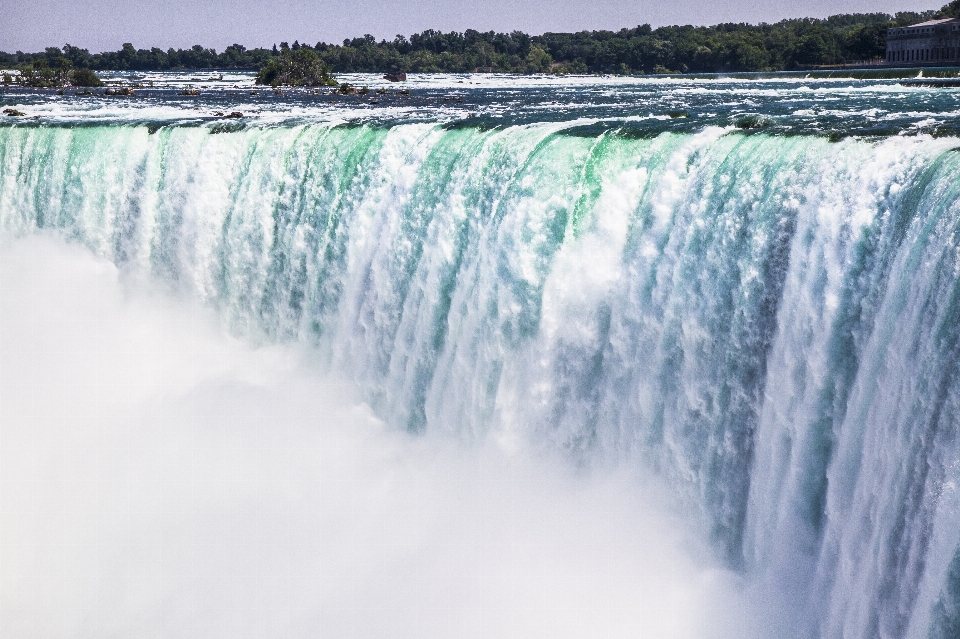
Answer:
(163, 478)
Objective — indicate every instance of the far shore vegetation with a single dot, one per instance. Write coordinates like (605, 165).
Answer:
(794, 44)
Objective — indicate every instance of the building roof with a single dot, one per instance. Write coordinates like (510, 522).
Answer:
(930, 23)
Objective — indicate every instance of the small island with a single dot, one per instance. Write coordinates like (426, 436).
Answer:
(300, 67)
(40, 74)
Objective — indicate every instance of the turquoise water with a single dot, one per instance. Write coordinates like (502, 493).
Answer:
(764, 314)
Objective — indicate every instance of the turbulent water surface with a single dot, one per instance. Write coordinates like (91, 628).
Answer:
(745, 289)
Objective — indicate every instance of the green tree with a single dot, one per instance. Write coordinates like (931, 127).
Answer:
(85, 78)
(816, 47)
(748, 57)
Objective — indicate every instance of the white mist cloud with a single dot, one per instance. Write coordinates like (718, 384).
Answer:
(159, 478)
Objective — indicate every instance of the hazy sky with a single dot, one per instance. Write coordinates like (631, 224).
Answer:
(31, 25)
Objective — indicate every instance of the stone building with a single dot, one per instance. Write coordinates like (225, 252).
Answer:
(934, 43)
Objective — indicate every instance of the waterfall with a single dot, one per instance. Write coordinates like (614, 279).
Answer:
(770, 323)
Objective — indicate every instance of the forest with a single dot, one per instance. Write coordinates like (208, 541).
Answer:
(786, 45)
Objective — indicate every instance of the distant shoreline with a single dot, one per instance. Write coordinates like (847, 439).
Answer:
(788, 45)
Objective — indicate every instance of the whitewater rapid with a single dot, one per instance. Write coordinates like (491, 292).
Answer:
(769, 323)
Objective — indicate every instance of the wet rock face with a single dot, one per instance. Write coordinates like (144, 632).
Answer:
(396, 77)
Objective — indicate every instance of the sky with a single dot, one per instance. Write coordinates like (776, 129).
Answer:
(103, 25)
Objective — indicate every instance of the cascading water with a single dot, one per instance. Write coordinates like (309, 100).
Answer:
(771, 323)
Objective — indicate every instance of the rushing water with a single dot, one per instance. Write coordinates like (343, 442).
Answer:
(750, 287)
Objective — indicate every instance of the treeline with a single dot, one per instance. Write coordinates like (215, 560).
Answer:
(128, 58)
(73, 66)
(788, 44)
